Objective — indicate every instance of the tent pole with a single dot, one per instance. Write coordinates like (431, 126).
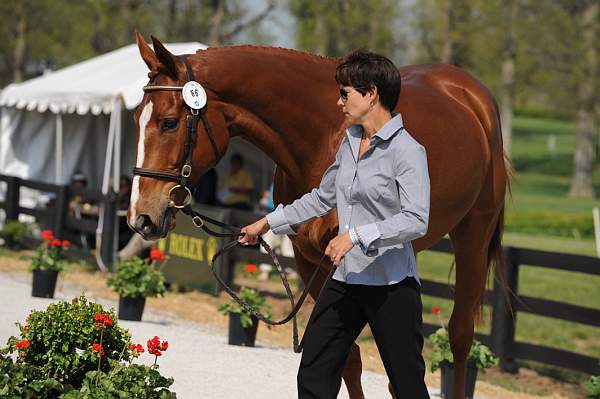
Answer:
(117, 144)
(104, 257)
(58, 179)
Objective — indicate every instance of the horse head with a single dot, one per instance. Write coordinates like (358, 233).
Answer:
(163, 132)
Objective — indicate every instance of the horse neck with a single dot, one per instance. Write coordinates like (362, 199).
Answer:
(280, 100)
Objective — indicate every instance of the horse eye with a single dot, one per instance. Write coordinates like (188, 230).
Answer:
(168, 124)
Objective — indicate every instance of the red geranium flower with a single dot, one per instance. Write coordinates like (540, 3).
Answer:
(47, 235)
(23, 344)
(103, 319)
(436, 310)
(56, 243)
(66, 244)
(156, 254)
(98, 348)
(155, 347)
(136, 347)
(251, 268)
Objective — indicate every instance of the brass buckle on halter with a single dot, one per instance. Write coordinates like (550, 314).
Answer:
(173, 197)
(198, 222)
(186, 171)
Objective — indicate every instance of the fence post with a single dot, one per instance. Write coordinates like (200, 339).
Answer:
(503, 322)
(61, 207)
(12, 198)
(108, 250)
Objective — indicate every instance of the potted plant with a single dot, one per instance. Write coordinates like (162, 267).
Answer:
(46, 264)
(13, 233)
(134, 281)
(76, 350)
(242, 324)
(480, 357)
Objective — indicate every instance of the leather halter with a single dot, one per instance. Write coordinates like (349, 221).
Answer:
(181, 176)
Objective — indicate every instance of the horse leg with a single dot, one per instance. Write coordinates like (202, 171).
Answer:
(353, 367)
(471, 242)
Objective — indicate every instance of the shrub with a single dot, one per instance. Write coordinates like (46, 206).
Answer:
(134, 277)
(550, 223)
(252, 298)
(14, 232)
(61, 338)
(593, 385)
(49, 254)
(76, 350)
(441, 351)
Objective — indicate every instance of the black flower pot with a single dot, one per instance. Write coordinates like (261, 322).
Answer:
(131, 308)
(447, 385)
(239, 335)
(44, 283)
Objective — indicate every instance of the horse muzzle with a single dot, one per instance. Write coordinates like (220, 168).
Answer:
(149, 230)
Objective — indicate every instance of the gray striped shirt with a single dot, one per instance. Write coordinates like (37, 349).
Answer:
(384, 195)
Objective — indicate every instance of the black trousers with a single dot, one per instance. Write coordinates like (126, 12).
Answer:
(394, 313)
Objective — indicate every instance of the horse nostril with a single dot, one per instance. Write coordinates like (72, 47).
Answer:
(143, 224)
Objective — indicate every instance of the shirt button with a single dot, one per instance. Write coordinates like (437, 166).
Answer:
(349, 206)
(347, 227)
(349, 187)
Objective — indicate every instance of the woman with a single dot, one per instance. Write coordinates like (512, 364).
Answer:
(380, 185)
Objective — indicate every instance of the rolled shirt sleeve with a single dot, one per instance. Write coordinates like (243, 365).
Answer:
(316, 203)
(413, 219)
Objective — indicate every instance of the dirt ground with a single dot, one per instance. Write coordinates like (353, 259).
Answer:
(202, 308)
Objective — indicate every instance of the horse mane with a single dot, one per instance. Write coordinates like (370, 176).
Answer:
(269, 50)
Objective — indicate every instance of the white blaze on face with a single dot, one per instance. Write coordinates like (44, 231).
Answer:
(135, 189)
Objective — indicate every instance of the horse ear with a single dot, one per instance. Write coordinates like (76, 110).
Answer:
(146, 52)
(168, 60)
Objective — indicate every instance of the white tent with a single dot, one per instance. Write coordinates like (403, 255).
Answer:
(70, 119)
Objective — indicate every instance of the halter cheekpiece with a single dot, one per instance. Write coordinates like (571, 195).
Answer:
(195, 100)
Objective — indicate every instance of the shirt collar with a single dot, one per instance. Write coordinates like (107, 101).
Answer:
(385, 133)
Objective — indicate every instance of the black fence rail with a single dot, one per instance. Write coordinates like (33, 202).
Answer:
(57, 217)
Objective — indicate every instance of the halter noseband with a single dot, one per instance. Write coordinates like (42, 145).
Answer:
(185, 171)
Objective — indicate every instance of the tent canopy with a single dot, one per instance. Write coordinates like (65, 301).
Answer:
(89, 86)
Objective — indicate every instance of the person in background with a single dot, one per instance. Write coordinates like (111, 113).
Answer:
(238, 186)
(206, 189)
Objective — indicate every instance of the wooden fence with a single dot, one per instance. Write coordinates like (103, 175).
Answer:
(56, 215)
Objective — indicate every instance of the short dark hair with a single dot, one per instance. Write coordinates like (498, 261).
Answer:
(363, 69)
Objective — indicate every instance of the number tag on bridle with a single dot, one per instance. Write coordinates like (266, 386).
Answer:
(194, 95)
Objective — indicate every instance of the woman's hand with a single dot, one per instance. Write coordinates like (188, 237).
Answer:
(253, 231)
(338, 248)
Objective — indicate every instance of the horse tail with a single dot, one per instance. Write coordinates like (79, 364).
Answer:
(496, 262)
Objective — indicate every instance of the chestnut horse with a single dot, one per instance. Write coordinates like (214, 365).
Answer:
(284, 102)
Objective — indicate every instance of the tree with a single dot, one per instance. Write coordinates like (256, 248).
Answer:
(336, 27)
(585, 150)
(215, 22)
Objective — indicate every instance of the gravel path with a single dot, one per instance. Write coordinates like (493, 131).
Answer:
(199, 359)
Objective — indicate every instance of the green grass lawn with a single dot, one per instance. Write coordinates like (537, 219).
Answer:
(539, 203)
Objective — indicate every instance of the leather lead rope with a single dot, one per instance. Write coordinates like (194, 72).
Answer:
(200, 222)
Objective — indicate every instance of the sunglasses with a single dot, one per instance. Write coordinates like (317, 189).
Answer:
(344, 93)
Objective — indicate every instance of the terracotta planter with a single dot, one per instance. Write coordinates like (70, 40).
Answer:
(239, 335)
(44, 283)
(131, 308)
(447, 384)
